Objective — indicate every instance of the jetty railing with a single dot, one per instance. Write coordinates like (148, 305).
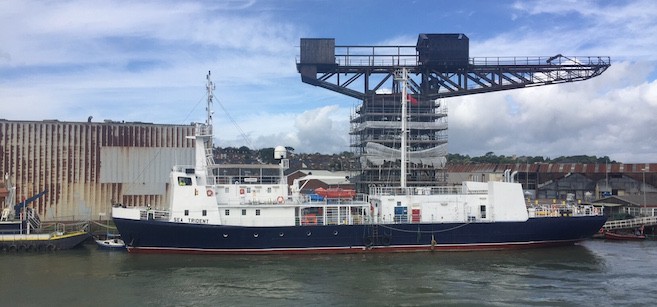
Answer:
(631, 223)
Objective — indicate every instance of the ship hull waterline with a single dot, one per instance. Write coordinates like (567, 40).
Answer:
(152, 236)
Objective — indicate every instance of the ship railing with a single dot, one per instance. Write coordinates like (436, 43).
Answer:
(419, 191)
(563, 210)
(254, 202)
(359, 199)
(62, 228)
(333, 216)
(244, 179)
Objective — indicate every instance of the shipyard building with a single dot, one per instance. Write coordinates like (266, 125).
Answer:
(86, 167)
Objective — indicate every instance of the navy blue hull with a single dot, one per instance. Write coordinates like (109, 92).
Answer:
(168, 237)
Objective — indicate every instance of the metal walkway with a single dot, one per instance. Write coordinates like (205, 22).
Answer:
(631, 223)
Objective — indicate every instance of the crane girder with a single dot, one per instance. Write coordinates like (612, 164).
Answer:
(481, 75)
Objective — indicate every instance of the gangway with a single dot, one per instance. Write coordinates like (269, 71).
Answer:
(631, 223)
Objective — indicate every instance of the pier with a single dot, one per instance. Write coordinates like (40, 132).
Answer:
(631, 223)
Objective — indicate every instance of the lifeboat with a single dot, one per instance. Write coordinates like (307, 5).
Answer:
(336, 193)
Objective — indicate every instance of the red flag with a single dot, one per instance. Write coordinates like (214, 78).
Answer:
(411, 99)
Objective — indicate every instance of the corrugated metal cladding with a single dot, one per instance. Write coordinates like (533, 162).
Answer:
(86, 167)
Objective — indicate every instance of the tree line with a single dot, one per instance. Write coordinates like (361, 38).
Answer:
(266, 155)
(491, 157)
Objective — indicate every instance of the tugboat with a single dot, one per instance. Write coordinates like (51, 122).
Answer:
(246, 209)
(21, 228)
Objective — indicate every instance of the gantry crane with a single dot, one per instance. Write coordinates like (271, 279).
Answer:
(439, 66)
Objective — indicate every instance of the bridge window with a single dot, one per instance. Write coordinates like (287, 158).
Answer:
(227, 212)
(243, 211)
(186, 212)
(184, 181)
(204, 212)
(257, 211)
(482, 210)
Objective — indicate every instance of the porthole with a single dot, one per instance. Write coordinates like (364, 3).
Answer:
(308, 233)
(335, 233)
(281, 234)
(255, 235)
(225, 235)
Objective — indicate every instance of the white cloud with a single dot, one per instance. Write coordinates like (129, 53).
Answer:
(146, 61)
(601, 116)
(324, 129)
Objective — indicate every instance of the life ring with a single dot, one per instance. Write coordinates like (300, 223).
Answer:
(209, 192)
(241, 191)
(280, 200)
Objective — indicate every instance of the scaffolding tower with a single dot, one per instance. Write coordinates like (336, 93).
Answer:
(439, 66)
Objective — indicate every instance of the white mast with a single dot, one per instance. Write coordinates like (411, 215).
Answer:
(203, 139)
(404, 127)
(209, 155)
(208, 122)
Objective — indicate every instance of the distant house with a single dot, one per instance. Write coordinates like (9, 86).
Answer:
(562, 182)
(577, 184)
(634, 205)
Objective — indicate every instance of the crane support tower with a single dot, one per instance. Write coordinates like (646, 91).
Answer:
(438, 66)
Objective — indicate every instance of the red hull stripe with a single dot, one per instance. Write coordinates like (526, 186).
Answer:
(352, 250)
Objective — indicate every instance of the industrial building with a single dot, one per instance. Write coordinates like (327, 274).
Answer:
(561, 182)
(86, 167)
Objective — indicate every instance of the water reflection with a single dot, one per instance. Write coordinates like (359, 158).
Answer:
(594, 273)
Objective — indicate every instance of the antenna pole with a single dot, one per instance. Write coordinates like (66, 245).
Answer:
(403, 79)
(208, 122)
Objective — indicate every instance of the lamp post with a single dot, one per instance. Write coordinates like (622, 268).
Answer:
(645, 209)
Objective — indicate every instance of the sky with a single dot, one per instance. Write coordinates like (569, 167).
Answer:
(147, 61)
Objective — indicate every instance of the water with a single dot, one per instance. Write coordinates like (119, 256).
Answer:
(593, 273)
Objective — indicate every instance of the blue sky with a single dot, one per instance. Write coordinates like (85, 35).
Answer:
(147, 60)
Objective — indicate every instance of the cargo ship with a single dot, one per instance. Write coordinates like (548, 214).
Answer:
(250, 209)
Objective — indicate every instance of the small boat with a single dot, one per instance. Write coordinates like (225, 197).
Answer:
(638, 235)
(336, 193)
(109, 240)
(21, 228)
(110, 244)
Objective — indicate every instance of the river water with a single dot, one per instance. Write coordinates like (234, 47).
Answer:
(593, 273)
